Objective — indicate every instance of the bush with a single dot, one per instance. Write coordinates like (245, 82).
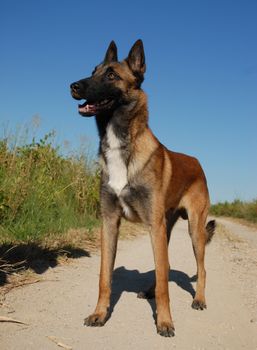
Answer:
(237, 209)
(43, 192)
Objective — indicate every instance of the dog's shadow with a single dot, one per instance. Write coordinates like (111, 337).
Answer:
(133, 281)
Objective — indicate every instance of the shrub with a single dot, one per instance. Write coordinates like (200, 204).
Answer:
(237, 209)
(43, 192)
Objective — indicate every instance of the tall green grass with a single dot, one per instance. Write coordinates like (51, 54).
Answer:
(237, 209)
(43, 192)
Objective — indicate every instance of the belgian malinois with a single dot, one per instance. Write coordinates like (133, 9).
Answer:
(141, 180)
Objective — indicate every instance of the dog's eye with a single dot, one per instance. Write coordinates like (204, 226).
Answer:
(111, 75)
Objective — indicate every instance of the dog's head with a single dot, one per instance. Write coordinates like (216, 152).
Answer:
(112, 83)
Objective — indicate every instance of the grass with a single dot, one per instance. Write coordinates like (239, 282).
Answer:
(237, 209)
(43, 193)
(49, 206)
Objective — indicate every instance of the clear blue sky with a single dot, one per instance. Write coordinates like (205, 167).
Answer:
(201, 76)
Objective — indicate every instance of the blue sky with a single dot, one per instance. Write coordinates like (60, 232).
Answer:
(201, 77)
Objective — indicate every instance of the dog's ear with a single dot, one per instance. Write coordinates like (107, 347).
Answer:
(136, 59)
(111, 53)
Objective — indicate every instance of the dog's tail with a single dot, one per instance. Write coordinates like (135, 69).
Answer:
(210, 230)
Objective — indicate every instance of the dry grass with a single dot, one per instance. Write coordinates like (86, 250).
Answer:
(223, 232)
(244, 222)
(130, 230)
(23, 264)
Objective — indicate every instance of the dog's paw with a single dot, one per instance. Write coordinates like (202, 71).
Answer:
(166, 329)
(199, 305)
(95, 320)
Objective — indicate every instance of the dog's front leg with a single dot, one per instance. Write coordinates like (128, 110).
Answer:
(165, 325)
(109, 236)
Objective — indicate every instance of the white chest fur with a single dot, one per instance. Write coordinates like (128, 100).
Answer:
(118, 174)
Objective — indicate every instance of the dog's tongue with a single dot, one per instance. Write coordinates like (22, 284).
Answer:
(87, 108)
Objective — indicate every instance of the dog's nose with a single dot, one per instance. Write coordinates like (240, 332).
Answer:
(74, 87)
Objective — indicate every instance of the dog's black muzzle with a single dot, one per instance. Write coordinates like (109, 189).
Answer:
(79, 88)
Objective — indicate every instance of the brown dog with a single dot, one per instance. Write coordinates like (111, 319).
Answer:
(141, 180)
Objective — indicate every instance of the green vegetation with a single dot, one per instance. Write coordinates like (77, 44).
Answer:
(237, 209)
(43, 193)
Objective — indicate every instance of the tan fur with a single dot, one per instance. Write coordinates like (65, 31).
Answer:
(177, 182)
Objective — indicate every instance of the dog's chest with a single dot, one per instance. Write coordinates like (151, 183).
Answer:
(117, 169)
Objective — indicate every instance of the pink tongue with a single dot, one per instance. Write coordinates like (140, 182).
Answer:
(87, 109)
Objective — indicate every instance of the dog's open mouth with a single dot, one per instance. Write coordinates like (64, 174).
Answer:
(89, 109)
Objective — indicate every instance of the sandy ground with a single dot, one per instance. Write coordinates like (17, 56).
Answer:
(54, 308)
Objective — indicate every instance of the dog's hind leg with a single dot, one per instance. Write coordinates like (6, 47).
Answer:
(197, 231)
(109, 236)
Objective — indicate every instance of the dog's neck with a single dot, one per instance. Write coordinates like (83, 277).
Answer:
(126, 122)
(119, 133)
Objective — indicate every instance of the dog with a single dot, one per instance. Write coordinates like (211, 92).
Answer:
(141, 180)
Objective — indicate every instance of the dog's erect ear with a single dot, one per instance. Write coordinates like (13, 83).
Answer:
(111, 54)
(136, 58)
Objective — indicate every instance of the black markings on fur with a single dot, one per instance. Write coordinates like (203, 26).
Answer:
(138, 198)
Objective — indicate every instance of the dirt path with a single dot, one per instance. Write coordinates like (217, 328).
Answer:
(54, 308)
